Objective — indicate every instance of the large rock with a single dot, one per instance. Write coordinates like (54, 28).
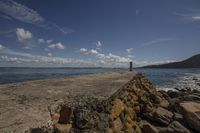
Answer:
(191, 111)
(148, 128)
(62, 128)
(117, 108)
(174, 127)
(65, 115)
(161, 116)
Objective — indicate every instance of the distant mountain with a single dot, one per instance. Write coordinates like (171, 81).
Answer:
(192, 62)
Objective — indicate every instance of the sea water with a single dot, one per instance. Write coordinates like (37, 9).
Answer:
(163, 79)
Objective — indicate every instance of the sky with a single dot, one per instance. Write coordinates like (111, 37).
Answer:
(97, 33)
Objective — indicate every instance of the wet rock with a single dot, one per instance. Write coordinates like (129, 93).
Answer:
(173, 94)
(62, 128)
(191, 111)
(160, 115)
(118, 107)
(148, 128)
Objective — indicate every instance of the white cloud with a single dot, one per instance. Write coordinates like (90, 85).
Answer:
(49, 41)
(196, 18)
(83, 50)
(25, 14)
(98, 44)
(109, 60)
(9, 57)
(130, 56)
(23, 35)
(64, 30)
(41, 40)
(49, 54)
(156, 41)
(58, 45)
(190, 15)
(20, 12)
(129, 50)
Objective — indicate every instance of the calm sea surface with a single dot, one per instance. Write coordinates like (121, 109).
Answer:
(162, 78)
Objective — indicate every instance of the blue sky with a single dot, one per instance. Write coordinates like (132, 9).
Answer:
(93, 33)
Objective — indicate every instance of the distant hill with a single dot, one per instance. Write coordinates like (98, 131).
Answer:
(192, 62)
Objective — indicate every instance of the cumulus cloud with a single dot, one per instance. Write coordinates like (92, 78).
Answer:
(83, 50)
(23, 35)
(108, 60)
(49, 41)
(58, 45)
(9, 57)
(49, 54)
(129, 50)
(41, 40)
(98, 44)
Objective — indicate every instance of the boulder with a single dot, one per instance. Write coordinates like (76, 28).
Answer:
(117, 124)
(178, 117)
(191, 97)
(161, 116)
(62, 128)
(173, 94)
(191, 111)
(147, 127)
(164, 104)
(65, 115)
(174, 127)
(118, 107)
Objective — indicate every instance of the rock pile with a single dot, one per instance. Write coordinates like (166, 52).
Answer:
(135, 108)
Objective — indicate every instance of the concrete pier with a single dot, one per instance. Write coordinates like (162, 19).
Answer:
(25, 105)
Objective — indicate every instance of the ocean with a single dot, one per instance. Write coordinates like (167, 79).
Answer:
(163, 79)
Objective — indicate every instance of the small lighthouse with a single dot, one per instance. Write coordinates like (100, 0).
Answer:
(131, 66)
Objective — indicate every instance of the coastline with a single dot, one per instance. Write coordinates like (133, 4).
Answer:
(105, 102)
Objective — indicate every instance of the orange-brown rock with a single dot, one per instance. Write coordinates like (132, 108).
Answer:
(118, 107)
(62, 128)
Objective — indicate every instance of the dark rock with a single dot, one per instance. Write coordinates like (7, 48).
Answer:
(161, 116)
(191, 97)
(191, 114)
(174, 127)
(147, 127)
(178, 117)
(65, 115)
(173, 94)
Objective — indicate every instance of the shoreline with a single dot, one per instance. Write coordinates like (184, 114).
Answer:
(104, 102)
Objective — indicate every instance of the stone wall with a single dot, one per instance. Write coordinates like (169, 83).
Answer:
(135, 108)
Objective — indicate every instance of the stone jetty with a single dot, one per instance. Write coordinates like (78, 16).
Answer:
(116, 102)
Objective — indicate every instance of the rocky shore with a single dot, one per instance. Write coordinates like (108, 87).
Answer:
(136, 107)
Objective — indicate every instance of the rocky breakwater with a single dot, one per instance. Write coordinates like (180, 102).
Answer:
(135, 108)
